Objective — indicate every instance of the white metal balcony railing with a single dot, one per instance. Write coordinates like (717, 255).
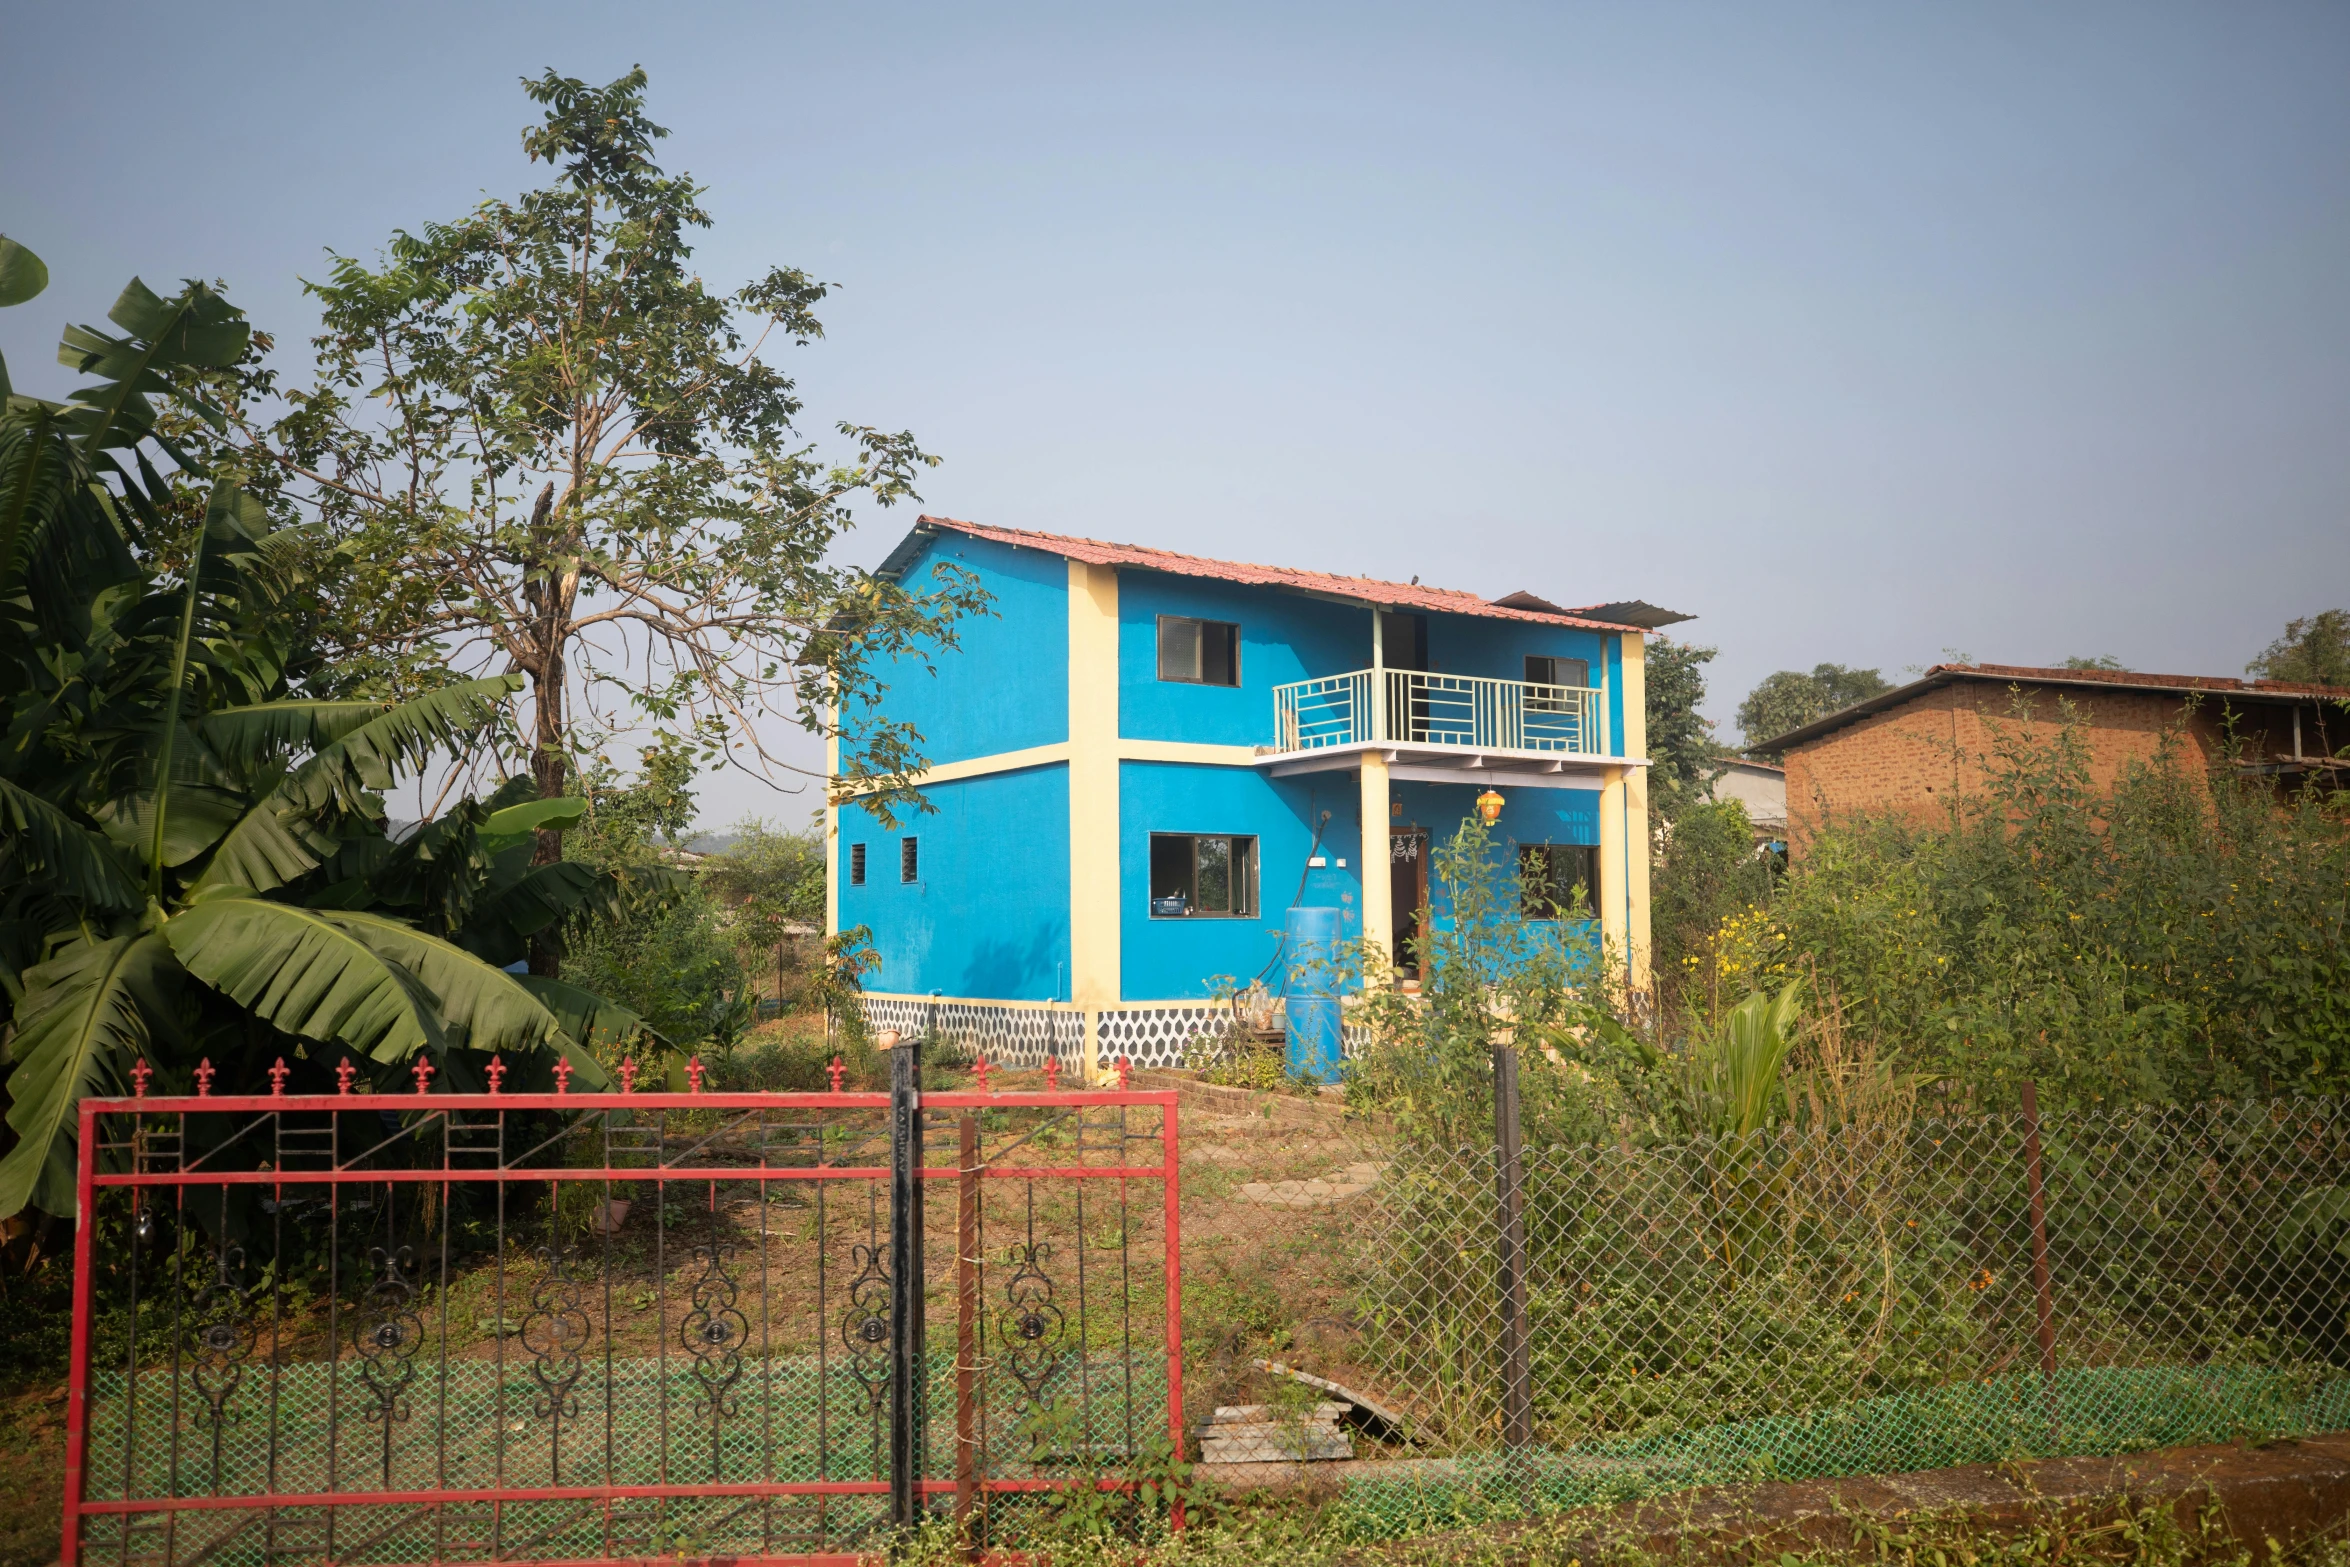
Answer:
(1433, 709)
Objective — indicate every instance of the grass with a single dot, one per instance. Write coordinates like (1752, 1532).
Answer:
(1301, 1530)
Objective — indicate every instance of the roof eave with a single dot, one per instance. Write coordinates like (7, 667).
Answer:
(1949, 674)
(927, 528)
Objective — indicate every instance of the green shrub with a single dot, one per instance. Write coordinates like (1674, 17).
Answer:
(2176, 938)
(802, 1064)
(1707, 872)
(669, 959)
(1490, 977)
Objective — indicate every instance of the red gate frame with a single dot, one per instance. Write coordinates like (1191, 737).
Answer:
(90, 1180)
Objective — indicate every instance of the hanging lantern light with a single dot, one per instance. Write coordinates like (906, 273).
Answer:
(1489, 807)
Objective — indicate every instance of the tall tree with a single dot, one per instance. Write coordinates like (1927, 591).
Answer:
(194, 858)
(1790, 698)
(1684, 758)
(546, 447)
(2315, 650)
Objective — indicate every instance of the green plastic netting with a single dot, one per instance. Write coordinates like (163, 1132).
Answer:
(2112, 1410)
(637, 1424)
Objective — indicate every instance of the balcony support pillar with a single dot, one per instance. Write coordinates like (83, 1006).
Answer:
(1636, 831)
(1378, 885)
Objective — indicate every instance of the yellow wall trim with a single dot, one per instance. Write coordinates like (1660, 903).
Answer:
(1187, 751)
(972, 767)
(1058, 752)
(1094, 951)
(1180, 1004)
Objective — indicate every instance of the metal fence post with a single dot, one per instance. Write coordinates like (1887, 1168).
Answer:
(2041, 1285)
(967, 1329)
(1517, 1372)
(909, 1370)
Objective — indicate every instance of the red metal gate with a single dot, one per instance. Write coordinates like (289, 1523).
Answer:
(584, 1328)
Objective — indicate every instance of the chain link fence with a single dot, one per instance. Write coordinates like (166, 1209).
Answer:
(1871, 1299)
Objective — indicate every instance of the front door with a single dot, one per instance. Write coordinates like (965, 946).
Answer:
(1407, 884)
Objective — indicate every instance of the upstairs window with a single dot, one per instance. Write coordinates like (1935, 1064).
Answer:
(1558, 881)
(1557, 671)
(1199, 652)
(909, 861)
(1203, 874)
(856, 865)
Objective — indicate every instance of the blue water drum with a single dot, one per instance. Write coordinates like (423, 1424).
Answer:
(1314, 945)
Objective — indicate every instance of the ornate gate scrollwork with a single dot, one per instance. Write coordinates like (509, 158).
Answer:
(220, 1334)
(1029, 1325)
(865, 1326)
(713, 1333)
(502, 1361)
(387, 1335)
(555, 1330)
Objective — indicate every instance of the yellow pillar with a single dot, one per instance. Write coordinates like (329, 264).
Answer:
(1378, 888)
(831, 832)
(1636, 934)
(1614, 907)
(1094, 957)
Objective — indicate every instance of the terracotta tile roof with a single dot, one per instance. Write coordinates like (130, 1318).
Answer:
(1367, 590)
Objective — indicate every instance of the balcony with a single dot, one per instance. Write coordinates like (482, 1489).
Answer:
(1439, 724)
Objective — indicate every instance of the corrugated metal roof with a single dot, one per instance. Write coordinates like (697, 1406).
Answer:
(2026, 674)
(1363, 590)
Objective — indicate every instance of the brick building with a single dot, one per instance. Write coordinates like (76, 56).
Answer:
(1910, 750)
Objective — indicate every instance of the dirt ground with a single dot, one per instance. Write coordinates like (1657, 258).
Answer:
(32, 1475)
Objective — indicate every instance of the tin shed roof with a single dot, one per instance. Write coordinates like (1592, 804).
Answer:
(1359, 590)
(2030, 675)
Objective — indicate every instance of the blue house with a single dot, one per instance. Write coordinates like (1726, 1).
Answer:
(1142, 759)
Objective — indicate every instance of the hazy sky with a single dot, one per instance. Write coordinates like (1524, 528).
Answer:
(1859, 332)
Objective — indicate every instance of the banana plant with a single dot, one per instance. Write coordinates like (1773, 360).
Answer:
(1736, 1083)
(195, 861)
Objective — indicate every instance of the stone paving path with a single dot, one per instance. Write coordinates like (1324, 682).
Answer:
(1320, 1192)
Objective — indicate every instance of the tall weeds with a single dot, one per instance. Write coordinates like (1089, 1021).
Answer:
(2176, 938)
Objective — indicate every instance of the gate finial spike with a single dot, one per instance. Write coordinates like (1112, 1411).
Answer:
(1125, 1074)
(140, 1072)
(836, 1071)
(204, 1070)
(980, 1069)
(562, 1075)
(344, 1072)
(495, 1072)
(693, 1074)
(1052, 1074)
(277, 1078)
(423, 1075)
(628, 1074)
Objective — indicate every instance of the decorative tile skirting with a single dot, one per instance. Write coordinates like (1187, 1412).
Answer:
(1024, 1033)
(1009, 1033)
(1160, 1036)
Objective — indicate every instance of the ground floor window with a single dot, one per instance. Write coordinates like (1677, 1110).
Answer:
(1202, 873)
(1558, 881)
